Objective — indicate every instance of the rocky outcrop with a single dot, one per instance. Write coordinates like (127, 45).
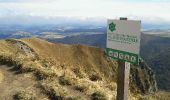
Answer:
(23, 47)
(142, 79)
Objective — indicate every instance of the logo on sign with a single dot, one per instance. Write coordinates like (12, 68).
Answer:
(112, 27)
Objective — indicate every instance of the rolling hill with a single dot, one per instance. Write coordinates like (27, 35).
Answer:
(68, 72)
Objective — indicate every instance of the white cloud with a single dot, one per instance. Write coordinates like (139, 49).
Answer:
(22, 1)
(151, 11)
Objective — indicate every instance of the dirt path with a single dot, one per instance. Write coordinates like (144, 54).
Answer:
(11, 83)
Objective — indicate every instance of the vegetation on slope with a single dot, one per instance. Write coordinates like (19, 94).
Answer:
(72, 72)
(156, 52)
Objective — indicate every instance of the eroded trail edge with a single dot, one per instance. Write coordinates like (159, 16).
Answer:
(12, 82)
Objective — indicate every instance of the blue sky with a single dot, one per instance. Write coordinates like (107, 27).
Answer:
(146, 10)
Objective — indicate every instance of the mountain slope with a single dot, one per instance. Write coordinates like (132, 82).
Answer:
(88, 39)
(73, 71)
(162, 62)
(155, 50)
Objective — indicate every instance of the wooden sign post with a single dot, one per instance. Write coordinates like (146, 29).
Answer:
(123, 42)
(123, 78)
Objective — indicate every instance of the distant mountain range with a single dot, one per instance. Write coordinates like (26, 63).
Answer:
(28, 21)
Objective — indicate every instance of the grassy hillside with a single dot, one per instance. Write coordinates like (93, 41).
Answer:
(72, 72)
(155, 50)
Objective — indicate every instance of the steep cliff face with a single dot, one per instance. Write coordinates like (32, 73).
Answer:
(142, 78)
(65, 71)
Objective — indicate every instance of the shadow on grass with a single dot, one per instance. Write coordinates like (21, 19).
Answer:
(12, 67)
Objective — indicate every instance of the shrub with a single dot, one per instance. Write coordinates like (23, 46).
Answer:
(24, 95)
(78, 73)
(74, 98)
(64, 80)
(95, 78)
(54, 91)
(81, 88)
(111, 86)
(98, 96)
(45, 73)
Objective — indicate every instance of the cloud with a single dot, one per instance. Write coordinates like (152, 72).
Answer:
(141, 9)
(25, 1)
(91, 1)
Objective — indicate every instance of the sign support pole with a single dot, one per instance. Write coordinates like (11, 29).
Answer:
(123, 78)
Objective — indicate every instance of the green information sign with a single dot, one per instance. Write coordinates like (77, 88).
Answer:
(123, 40)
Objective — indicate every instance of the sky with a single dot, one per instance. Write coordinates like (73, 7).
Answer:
(145, 10)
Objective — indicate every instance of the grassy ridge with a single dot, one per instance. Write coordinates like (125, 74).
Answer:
(66, 72)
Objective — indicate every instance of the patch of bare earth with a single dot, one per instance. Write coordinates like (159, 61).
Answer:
(12, 82)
